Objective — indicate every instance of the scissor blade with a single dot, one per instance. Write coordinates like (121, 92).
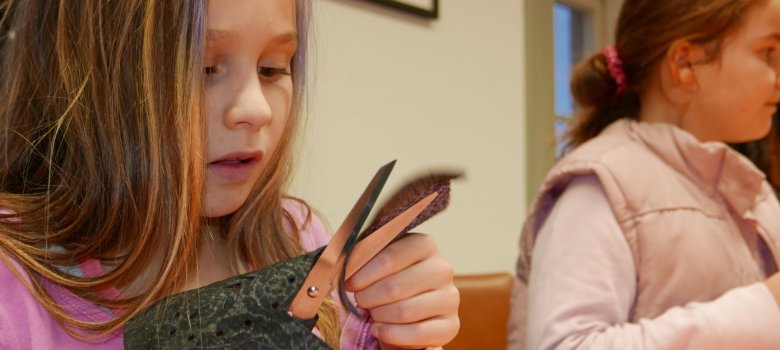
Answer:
(321, 276)
(379, 239)
(359, 213)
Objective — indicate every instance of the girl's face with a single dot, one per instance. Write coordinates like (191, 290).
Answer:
(248, 92)
(738, 92)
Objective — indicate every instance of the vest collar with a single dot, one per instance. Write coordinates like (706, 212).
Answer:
(713, 165)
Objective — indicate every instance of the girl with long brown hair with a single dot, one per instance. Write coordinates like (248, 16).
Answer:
(144, 150)
(652, 233)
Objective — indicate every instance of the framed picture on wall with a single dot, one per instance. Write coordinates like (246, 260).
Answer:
(424, 8)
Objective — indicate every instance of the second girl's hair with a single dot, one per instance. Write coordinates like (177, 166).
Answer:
(646, 29)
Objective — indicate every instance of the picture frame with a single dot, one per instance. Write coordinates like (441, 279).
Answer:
(423, 8)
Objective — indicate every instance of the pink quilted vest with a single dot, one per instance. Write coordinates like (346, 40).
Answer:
(695, 215)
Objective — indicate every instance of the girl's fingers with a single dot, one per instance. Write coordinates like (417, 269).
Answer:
(396, 257)
(437, 303)
(430, 274)
(408, 289)
(430, 333)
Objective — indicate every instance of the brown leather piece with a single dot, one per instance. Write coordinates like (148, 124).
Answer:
(483, 311)
(369, 247)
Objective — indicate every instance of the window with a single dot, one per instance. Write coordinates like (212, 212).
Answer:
(575, 34)
(558, 33)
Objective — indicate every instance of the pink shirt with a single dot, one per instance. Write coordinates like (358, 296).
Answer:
(583, 281)
(25, 324)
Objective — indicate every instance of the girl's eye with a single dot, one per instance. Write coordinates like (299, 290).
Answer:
(272, 74)
(210, 70)
(770, 55)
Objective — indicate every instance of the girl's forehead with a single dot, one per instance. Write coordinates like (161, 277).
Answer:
(763, 18)
(253, 16)
(759, 25)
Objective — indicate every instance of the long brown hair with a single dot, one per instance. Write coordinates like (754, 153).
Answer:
(645, 31)
(101, 147)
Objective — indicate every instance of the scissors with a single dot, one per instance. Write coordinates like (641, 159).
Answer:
(348, 250)
(253, 310)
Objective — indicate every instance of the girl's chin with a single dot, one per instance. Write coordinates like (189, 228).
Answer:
(220, 207)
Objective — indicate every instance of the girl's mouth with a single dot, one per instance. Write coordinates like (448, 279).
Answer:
(236, 167)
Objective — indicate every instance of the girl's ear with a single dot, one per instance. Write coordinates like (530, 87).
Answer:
(680, 60)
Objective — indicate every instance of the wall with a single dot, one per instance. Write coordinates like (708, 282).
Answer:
(447, 93)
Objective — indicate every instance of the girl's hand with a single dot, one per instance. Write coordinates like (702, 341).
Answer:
(408, 290)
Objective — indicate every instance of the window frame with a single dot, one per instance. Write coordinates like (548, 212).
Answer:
(540, 135)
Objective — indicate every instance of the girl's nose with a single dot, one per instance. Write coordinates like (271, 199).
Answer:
(250, 108)
(777, 78)
(777, 73)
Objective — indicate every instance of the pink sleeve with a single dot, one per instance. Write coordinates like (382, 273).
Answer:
(26, 324)
(16, 309)
(313, 233)
(583, 281)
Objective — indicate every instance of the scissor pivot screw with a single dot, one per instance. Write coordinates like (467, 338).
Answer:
(313, 291)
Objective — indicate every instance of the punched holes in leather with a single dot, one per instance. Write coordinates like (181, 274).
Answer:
(248, 311)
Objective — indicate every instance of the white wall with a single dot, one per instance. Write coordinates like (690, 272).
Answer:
(613, 12)
(446, 92)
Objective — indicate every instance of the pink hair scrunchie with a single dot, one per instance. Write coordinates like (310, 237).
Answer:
(615, 66)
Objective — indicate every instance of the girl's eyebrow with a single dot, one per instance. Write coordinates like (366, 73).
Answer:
(221, 35)
(214, 35)
(775, 36)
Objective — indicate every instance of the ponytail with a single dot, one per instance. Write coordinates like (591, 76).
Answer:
(600, 98)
